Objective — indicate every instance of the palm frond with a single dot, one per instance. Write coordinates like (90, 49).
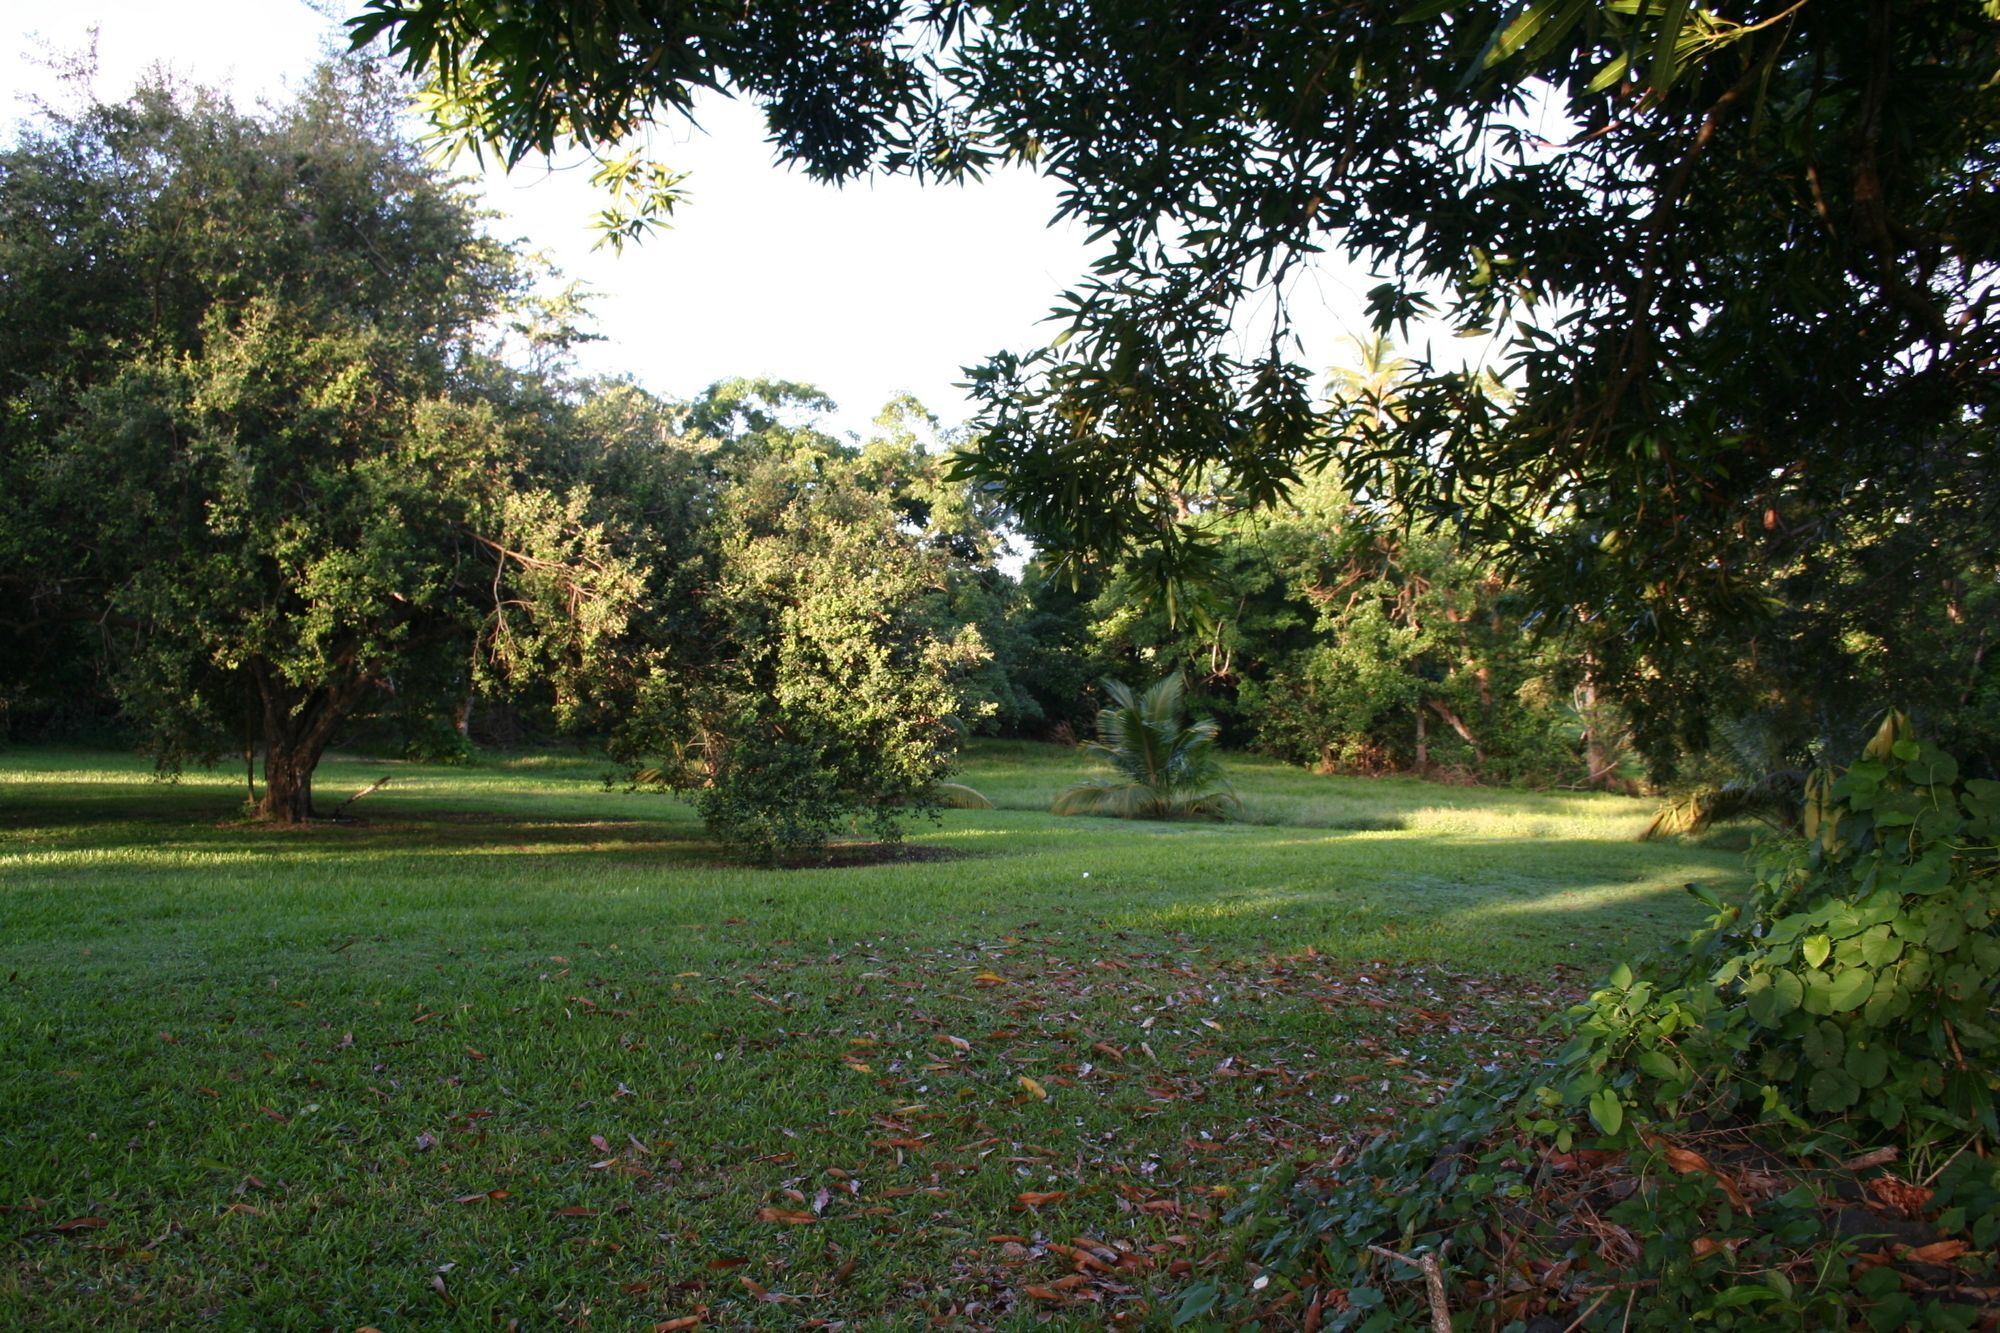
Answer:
(1168, 768)
(1776, 798)
(958, 796)
(1162, 703)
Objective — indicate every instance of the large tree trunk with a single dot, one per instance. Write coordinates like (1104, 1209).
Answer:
(288, 784)
(298, 724)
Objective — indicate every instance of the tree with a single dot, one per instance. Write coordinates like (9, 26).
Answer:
(1739, 260)
(1167, 766)
(830, 686)
(236, 435)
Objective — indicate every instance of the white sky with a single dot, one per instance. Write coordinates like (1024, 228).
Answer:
(875, 289)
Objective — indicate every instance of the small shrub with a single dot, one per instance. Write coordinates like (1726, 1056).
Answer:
(1167, 766)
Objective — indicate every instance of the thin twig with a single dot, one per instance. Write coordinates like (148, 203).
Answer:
(1925, 1182)
(375, 786)
(1602, 1297)
(1433, 1282)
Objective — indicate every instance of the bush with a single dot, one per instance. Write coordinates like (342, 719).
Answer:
(835, 693)
(780, 799)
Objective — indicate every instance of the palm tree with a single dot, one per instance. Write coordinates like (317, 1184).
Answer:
(1375, 385)
(1168, 768)
(1772, 785)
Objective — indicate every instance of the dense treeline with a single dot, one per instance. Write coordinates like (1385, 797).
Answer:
(294, 455)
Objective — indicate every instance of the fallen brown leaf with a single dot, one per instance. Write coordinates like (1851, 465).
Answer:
(1688, 1162)
(1937, 1252)
(788, 1217)
(1895, 1192)
(685, 1321)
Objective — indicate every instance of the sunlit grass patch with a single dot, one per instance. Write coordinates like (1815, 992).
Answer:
(537, 1042)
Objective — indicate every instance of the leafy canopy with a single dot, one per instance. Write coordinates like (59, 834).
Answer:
(1736, 262)
(237, 431)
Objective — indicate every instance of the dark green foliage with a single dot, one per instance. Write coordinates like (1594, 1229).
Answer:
(779, 797)
(1867, 963)
(1167, 766)
(1736, 261)
(1328, 636)
(1739, 308)
(1052, 650)
(236, 431)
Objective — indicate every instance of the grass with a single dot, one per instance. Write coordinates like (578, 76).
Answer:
(520, 1048)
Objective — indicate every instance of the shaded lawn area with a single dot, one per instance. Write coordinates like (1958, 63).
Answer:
(519, 1047)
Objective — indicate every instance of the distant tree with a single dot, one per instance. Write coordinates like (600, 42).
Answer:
(236, 435)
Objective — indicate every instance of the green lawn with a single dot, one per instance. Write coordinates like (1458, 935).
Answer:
(519, 1047)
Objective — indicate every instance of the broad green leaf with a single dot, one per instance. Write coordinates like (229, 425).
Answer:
(1831, 1090)
(1945, 932)
(1606, 1110)
(1778, 994)
(1931, 874)
(1815, 950)
(1880, 947)
(1824, 1045)
(1867, 1062)
(1660, 1065)
(1849, 990)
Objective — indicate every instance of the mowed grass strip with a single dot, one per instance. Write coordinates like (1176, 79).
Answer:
(519, 1047)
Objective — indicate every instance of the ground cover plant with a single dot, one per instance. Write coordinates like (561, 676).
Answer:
(519, 1047)
(1786, 1122)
